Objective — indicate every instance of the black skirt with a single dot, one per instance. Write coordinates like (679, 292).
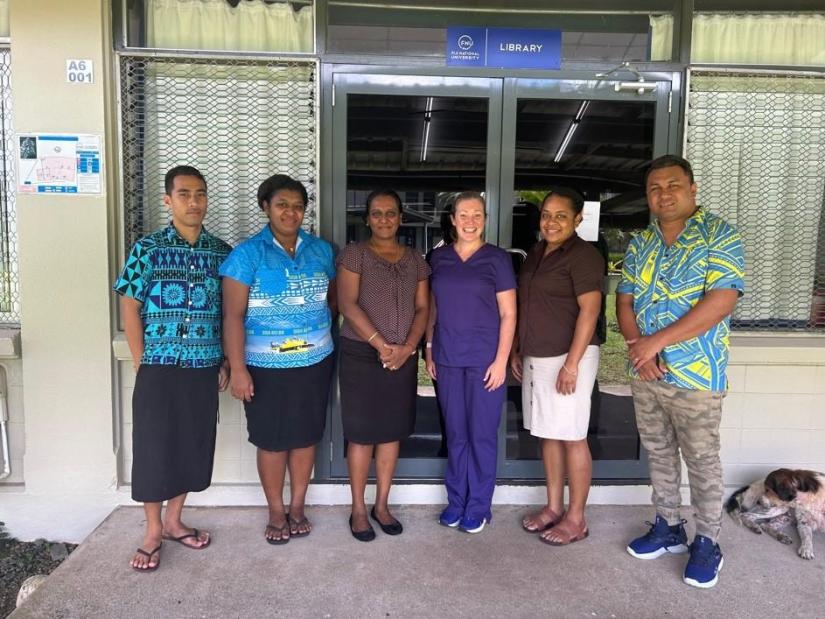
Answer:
(377, 405)
(174, 421)
(289, 408)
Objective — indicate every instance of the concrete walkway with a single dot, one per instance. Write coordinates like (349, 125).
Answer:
(429, 571)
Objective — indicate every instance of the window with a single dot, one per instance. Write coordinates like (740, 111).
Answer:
(237, 121)
(757, 144)
(9, 275)
(221, 25)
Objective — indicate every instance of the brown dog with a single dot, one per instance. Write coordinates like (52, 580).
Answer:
(783, 497)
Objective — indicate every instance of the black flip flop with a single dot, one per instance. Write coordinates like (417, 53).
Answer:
(148, 555)
(195, 533)
(282, 539)
(297, 523)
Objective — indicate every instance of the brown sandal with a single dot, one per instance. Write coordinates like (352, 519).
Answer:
(148, 555)
(566, 538)
(554, 520)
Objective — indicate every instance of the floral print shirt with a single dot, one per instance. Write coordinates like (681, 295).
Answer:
(180, 291)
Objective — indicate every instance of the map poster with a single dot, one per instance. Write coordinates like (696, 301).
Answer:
(58, 163)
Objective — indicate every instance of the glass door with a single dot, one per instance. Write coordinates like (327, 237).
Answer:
(427, 138)
(594, 136)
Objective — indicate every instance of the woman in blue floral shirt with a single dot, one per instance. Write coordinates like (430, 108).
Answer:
(279, 299)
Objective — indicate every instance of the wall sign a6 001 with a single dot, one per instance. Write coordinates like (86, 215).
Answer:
(79, 71)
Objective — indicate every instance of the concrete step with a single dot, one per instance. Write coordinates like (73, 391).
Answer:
(428, 571)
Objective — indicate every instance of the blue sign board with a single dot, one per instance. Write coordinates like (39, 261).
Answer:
(508, 48)
(466, 47)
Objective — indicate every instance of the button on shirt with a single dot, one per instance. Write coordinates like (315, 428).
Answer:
(180, 291)
(548, 290)
(666, 282)
(287, 319)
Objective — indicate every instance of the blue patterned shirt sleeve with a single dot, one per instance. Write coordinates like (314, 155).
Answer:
(628, 280)
(239, 265)
(726, 259)
(137, 273)
(329, 265)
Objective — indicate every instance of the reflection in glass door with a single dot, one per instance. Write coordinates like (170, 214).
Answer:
(598, 146)
(429, 138)
(428, 145)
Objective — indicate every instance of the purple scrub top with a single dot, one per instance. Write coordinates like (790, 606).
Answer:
(467, 323)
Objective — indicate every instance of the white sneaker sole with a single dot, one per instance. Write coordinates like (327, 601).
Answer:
(676, 550)
(478, 529)
(708, 584)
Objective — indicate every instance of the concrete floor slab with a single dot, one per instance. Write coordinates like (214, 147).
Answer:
(429, 571)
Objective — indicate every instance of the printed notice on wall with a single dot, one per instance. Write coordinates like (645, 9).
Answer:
(58, 163)
(589, 227)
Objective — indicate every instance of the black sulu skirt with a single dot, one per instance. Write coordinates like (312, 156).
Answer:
(289, 408)
(174, 422)
(377, 405)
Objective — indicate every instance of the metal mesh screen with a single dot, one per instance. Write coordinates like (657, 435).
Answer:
(9, 275)
(237, 121)
(757, 144)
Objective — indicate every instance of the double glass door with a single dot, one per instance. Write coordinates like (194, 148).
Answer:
(430, 138)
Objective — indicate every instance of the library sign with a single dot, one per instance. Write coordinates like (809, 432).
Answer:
(506, 48)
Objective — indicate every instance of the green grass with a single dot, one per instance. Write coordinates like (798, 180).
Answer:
(614, 352)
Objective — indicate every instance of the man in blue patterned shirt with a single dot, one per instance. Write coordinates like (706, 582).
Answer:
(681, 279)
(171, 307)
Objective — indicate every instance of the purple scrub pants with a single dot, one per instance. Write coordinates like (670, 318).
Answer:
(471, 415)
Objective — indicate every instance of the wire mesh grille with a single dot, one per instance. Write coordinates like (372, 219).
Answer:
(9, 274)
(757, 145)
(237, 121)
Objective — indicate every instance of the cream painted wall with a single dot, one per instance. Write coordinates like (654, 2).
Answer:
(773, 416)
(64, 249)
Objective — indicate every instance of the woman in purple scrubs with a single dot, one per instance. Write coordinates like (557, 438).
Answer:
(470, 330)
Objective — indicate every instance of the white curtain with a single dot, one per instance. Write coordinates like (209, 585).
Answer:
(253, 25)
(4, 18)
(757, 144)
(771, 39)
(239, 124)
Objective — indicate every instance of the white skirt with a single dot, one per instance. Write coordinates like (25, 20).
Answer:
(549, 414)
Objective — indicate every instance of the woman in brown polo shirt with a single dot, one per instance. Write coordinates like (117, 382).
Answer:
(384, 296)
(556, 356)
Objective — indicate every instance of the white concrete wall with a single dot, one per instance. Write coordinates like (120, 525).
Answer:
(11, 380)
(774, 415)
(64, 244)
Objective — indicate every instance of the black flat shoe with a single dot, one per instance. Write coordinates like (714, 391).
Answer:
(366, 535)
(394, 528)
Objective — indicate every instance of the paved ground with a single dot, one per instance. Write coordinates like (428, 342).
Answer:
(429, 571)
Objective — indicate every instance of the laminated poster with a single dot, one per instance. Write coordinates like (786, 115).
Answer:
(58, 163)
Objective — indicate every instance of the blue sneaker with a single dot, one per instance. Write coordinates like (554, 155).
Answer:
(705, 563)
(472, 525)
(660, 539)
(450, 517)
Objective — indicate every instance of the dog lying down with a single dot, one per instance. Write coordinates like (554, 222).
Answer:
(784, 497)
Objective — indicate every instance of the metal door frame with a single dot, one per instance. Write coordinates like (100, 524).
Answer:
(502, 89)
(516, 88)
(344, 84)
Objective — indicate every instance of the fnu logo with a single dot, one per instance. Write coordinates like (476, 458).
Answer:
(465, 42)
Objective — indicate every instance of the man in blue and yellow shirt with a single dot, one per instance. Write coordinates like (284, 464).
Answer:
(171, 306)
(681, 279)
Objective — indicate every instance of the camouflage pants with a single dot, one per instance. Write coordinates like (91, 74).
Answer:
(671, 419)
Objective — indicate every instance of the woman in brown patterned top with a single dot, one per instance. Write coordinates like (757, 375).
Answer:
(384, 298)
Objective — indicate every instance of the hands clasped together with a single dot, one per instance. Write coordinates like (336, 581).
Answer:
(393, 356)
